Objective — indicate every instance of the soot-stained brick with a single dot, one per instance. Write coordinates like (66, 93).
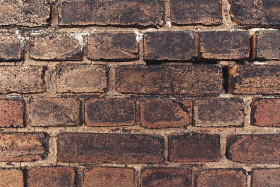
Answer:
(10, 48)
(268, 44)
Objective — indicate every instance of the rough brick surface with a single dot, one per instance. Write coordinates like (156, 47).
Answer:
(108, 176)
(114, 12)
(219, 112)
(11, 113)
(54, 112)
(11, 177)
(110, 112)
(206, 12)
(176, 79)
(265, 177)
(51, 176)
(194, 147)
(245, 79)
(81, 78)
(55, 46)
(9, 46)
(109, 148)
(163, 113)
(168, 45)
(221, 177)
(268, 44)
(252, 149)
(225, 44)
(113, 45)
(166, 177)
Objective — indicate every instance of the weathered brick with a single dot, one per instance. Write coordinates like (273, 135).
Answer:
(19, 79)
(11, 113)
(206, 12)
(170, 79)
(110, 148)
(225, 44)
(27, 13)
(163, 113)
(113, 46)
(219, 112)
(9, 46)
(167, 45)
(252, 149)
(23, 147)
(50, 176)
(108, 176)
(55, 46)
(255, 13)
(81, 78)
(245, 79)
(114, 12)
(11, 177)
(110, 112)
(268, 44)
(222, 177)
(166, 177)
(54, 112)
(265, 177)
(194, 147)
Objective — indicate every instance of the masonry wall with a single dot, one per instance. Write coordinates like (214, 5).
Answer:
(140, 93)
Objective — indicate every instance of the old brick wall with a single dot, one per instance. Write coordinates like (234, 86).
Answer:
(140, 93)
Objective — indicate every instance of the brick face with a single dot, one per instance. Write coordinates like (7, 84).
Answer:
(11, 177)
(10, 47)
(268, 44)
(12, 113)
(265, 177)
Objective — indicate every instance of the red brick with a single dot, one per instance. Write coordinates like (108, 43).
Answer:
(225, 44)
(110, 112)
(222, 177)
(109, 148)
(265, 177)
(219, 112)
(11, 113)
(170, 79)
(166, 45)
(9, 46)
(23, 147)
(11, 177)
(166, 177)
(268, 44)
(54, 112)
(55, 46)
(253, 149)
(206, 12)
(108, 176)
(81, 78)
(163, 113)
(114, 12)
(245, 79)
(194, 147)
(113, 46)
(50, 176)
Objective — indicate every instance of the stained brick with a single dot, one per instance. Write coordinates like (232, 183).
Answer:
(9, 47)
(11, 113)
(268, 44)
(170, 79)
(11, 177)
(265, 177)
(109, 148)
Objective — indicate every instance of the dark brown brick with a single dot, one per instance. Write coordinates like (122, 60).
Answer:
(110, 112)
(265, 177)
(55, 46)
(54, 112)
(109, 176)
(245, 79)
(81, 78)
(11, 177)
(11, 113)
(266, 113)
(268, 44)
(219, 112)
(9, 46)
(166, 45)
(225, 44)
(163, 113)
(253, 149)
(170, 79)
(23, 147)
(222, 177)
(206, 12)
(113, 46)
(166, 177)
(110, 148)
(255, 13)
(194, 147)
(50, 176)
(27, 13)
(113, 12)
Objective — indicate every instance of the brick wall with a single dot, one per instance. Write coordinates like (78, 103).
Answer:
(140, 93)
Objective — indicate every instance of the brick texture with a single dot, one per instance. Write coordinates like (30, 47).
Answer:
(11, 177)
(265, 177)
(268, 44)
(11, 113)
(10, 47)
